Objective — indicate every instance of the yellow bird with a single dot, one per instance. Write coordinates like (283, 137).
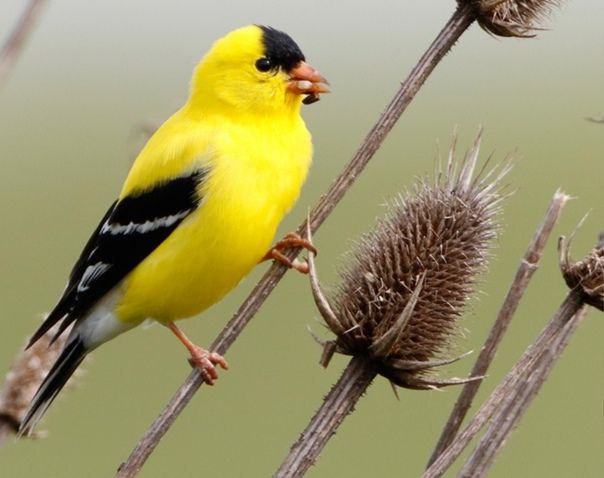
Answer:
(200, 206)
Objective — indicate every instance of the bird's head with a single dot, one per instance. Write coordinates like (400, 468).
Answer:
(255, 69)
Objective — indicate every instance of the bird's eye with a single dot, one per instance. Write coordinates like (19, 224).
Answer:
(264, 64)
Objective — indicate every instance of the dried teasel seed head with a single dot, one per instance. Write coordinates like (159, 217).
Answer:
(25, 376)
(404, 287)
(588, 274)
(512, 18)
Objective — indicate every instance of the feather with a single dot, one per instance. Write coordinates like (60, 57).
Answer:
(132, 228)
(72, 355)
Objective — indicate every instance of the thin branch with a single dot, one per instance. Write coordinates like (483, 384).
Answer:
(463, 17)
(571, 305)
(512, 410)
(525, 272)
(337, 404)
(18, 37)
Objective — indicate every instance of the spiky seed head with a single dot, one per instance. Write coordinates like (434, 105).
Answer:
(439, 235)
(512, 18)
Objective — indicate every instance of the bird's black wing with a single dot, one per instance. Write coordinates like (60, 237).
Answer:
(130, 230)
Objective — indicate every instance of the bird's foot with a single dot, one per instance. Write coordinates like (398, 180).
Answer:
(290, 240)
(200, 358)
(205, 361)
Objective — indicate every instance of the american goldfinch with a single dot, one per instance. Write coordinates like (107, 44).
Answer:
(199, 207)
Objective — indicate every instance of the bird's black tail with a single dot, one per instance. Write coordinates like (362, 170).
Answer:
(72, 355)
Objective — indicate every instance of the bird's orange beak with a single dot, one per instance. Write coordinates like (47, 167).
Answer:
(305, 80)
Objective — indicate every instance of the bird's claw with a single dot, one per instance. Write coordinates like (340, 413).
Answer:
(205, 361)
(291, 240)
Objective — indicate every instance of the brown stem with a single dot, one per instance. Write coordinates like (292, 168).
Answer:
(571, 305)
(463, 17)
(525, 271)
(513, 408)
(16, 41)
(338, 403)
(515, 405)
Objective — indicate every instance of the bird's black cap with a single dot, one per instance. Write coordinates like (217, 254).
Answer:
(280, 48)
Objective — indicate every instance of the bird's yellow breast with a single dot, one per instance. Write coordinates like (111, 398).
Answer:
(256, 169)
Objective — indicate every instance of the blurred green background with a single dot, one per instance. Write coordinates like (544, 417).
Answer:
(70, 119)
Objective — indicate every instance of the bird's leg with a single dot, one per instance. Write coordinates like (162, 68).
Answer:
(200, 357)
(290, 240)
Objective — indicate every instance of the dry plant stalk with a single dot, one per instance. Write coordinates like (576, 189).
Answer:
(402, 292)
(465, 14)
(512, 396)
(571, 305)
(514, 405)
(23, 379)
(586, 276)
(525, 272)
(18, 37)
